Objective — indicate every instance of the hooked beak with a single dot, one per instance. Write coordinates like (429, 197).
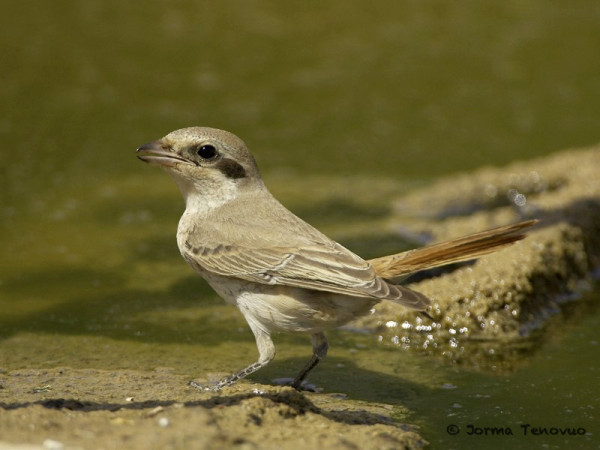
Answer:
(159, 154)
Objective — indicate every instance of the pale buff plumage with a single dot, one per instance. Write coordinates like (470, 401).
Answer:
(283, 274)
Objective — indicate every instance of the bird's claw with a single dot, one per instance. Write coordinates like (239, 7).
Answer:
(303, 386)
(204, 387)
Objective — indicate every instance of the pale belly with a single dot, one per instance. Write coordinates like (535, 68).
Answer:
(285, 308)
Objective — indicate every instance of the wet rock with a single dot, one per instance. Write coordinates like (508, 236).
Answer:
(488, 313)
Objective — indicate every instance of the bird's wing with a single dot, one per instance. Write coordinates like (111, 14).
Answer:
(330, 268)
(273, 246)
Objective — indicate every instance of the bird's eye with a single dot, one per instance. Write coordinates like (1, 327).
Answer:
(206, 151)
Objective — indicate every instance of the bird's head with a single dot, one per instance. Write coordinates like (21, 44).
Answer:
(203, 161)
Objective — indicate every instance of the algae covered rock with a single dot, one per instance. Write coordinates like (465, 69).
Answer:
(487, 313)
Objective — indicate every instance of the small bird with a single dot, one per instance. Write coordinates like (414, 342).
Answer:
(283, 274)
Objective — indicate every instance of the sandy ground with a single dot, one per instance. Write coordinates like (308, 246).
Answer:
(95, 409)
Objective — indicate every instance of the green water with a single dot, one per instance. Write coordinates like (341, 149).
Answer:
(345, 105)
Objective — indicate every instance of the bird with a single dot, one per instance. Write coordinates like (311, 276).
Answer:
(280, 272)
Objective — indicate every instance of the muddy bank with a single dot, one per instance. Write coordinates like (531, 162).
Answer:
(96, 409)
(486, 313)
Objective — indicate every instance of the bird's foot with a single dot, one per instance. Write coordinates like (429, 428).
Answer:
(304, 386)
(216, 387)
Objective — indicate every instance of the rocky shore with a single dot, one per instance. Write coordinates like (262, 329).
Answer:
(487, 313)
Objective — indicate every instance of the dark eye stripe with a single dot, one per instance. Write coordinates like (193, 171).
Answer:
(230, 168)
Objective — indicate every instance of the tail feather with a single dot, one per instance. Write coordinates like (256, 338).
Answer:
(455, 250)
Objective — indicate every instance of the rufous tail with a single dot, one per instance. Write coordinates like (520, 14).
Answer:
(452, 251)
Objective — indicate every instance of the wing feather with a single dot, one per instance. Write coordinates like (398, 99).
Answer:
(334, 270)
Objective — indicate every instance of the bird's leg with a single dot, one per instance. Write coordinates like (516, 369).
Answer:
(266, 352)
(320, 346)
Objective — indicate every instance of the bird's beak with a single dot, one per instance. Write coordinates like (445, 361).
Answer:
(159, 154)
